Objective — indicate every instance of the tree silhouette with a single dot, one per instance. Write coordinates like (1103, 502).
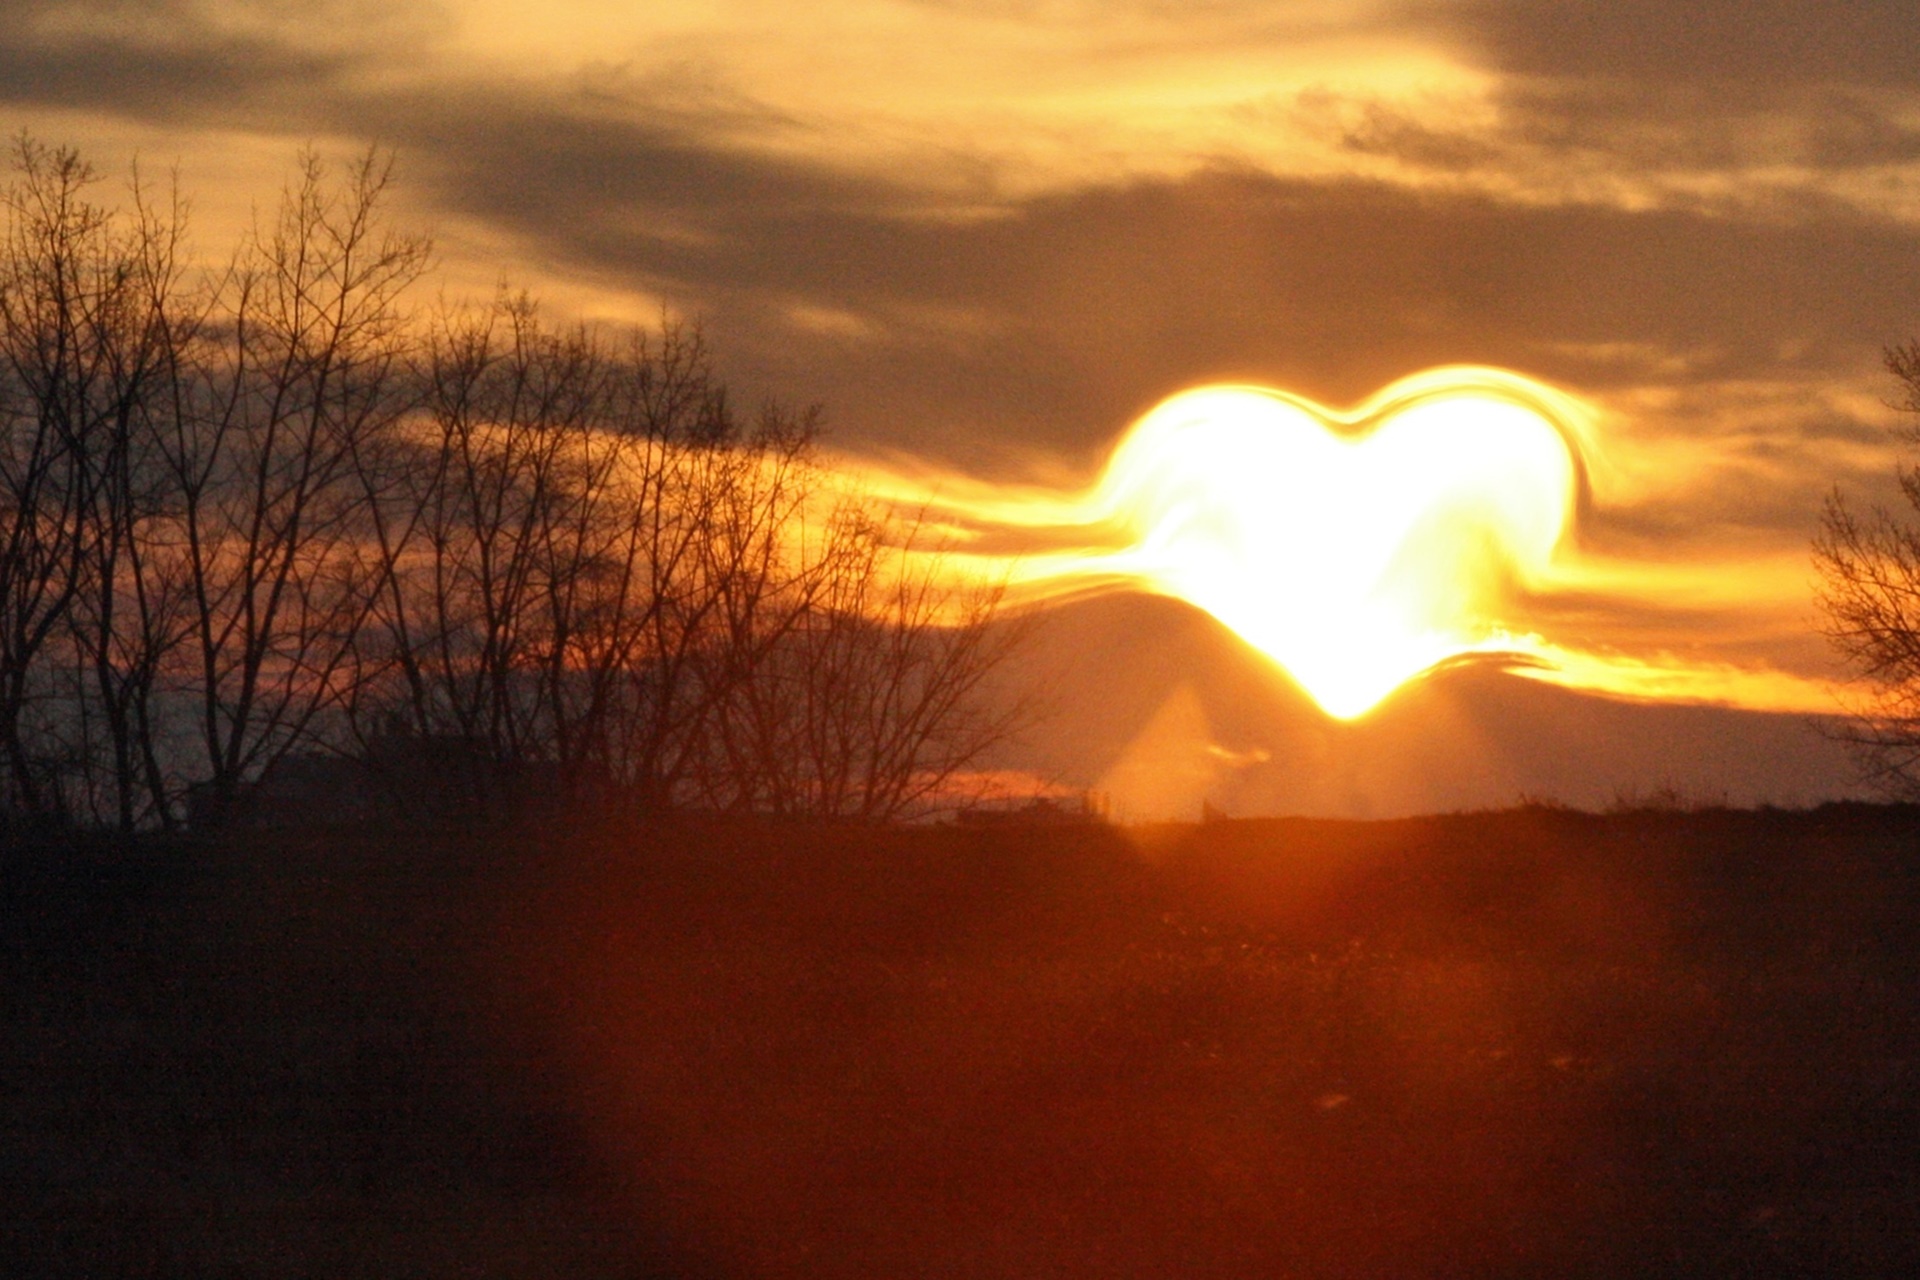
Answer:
(1869, 592)
(253, 516)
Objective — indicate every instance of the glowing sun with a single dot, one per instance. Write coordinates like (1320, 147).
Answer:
(1356, 549)
(1360, 549)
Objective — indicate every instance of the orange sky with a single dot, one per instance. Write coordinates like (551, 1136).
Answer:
(990, 236)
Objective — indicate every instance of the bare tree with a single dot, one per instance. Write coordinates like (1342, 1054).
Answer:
(302, 364)
(870, 700)
(589, 567)
(261, 511)
(634, 595)
(86, 336)
(1869, 567)
(739, 580)
(577, 517)
(129, 615)
(45, 296)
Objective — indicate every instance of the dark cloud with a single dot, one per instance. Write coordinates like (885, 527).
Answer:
(1547, 132)
(1753, 43)
(1058, 318)
(1379, 128)
(156, 85)
(608, 181)
(1690, 127)
(169, 61)
(1650, 85)
(1645, 90)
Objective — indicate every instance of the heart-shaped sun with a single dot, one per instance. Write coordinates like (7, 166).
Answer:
(1357, 550)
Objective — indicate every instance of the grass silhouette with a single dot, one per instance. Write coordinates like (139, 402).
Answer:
(1521, 1043)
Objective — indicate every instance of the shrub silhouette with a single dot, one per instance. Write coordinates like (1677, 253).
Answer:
(256, 513)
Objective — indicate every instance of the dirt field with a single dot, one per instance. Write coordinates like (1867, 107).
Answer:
(1533, 1043)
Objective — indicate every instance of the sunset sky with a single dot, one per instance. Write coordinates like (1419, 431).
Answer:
(989, 236)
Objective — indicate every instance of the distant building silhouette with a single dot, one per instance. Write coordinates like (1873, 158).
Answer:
(1083, 808)
(406, 778)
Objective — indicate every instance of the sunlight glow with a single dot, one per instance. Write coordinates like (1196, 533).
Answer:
(1357, 549)
(1354, 557)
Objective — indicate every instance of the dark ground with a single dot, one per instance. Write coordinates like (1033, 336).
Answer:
(1533, 1043)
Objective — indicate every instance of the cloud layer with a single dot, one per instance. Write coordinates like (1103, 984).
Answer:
(990, 236)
